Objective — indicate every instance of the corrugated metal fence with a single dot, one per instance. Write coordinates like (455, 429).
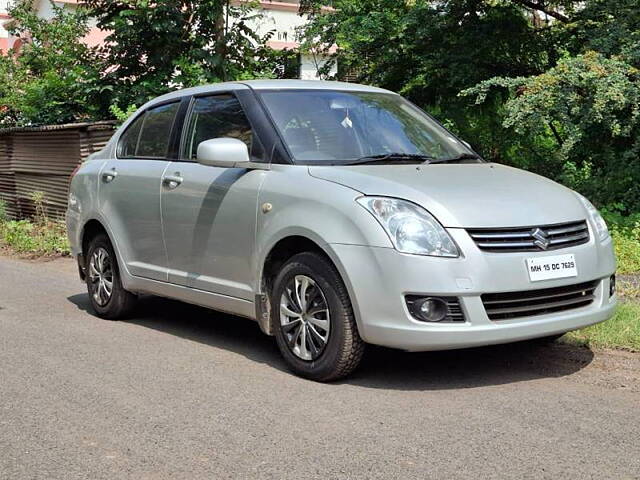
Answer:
(41, 159)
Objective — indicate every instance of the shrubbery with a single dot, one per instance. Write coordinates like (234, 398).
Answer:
(56, 78)
(151, 48)
(24, 236)
(583, 117)
(39, 236)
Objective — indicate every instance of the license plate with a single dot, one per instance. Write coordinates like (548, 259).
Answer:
(548, 268)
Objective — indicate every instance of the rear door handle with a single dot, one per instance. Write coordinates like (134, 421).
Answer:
(109, 176)
(172, 181)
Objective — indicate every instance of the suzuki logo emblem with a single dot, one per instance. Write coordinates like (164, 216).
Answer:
(540, 238)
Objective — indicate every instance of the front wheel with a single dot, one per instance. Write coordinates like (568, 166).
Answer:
(315, 327)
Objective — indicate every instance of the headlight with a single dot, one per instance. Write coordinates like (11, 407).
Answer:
(410, 228)
(598, 222)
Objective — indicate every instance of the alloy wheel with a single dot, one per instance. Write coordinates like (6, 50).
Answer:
(101, 276)
(304, 317)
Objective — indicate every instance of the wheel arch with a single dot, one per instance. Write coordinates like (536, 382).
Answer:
(277, 255)
(90, 229)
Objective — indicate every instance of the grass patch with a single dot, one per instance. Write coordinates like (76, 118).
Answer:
(40, 237)
(620, 332)
(627, 247)
(627, 290)
(625, 232)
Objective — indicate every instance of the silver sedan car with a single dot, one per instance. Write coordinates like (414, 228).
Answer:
(334, 215)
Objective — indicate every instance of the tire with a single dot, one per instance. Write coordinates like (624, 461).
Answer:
(119, 303)
(300, 341)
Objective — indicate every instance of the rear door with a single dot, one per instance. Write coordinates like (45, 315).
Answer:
(209, 213)
(130, 190)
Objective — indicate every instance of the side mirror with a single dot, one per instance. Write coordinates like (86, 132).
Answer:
(223, 152)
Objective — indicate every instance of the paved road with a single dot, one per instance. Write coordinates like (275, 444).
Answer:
(182, 392)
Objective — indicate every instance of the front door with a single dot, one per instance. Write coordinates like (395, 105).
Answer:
(130, 192)
(209, 213)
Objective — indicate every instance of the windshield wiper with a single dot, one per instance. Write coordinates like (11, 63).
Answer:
(457, 158)
(395, 157)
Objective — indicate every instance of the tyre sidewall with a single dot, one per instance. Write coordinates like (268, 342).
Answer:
(322, 367)
(116, 303)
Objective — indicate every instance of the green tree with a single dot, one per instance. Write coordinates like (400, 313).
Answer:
(551, 86)
(54, 78)
(610, 27)
(154, 47)
(580, 119)
(430, 51)
(584, 118)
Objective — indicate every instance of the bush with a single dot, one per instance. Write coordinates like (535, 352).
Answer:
(3, 211)
(18, 235)
(56, 78)
(584, 120)
(627, 246)
(26, 237)
(625, 231)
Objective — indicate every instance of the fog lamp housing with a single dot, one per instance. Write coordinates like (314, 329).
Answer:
(428, 309)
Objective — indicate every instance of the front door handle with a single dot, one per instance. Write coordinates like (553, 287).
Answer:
(109, 176)
(172, 181)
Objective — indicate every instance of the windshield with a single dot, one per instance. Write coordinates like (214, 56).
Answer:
(334, 127)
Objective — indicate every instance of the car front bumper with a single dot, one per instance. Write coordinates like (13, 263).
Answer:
(379, 278)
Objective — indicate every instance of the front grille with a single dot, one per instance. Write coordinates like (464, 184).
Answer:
(530, 239)
(505, 306)
(454, 311)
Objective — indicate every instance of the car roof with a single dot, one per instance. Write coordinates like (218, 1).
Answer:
(267, 85)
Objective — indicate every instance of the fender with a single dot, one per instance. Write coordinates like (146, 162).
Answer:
(314, 218)
(307, 208)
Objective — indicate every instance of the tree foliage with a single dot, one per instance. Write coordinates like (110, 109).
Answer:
(589, 105)
(151, 48)
(55, 78)
(548, 85)
(157, 46)
(551, 86)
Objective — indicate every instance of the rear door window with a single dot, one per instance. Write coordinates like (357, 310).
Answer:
(149, 135)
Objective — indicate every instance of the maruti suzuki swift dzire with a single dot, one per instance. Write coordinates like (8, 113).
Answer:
(335, 215)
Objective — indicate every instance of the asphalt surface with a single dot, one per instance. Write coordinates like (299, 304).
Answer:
(183, 392)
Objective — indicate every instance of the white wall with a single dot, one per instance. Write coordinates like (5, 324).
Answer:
(310, 64)
(3, 9)
(285, 24)
(45, 10)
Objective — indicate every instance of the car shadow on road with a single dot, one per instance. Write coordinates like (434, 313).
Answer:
(381, 367)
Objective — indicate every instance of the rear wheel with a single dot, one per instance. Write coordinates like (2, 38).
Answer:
(108, 297)
(315, 328)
